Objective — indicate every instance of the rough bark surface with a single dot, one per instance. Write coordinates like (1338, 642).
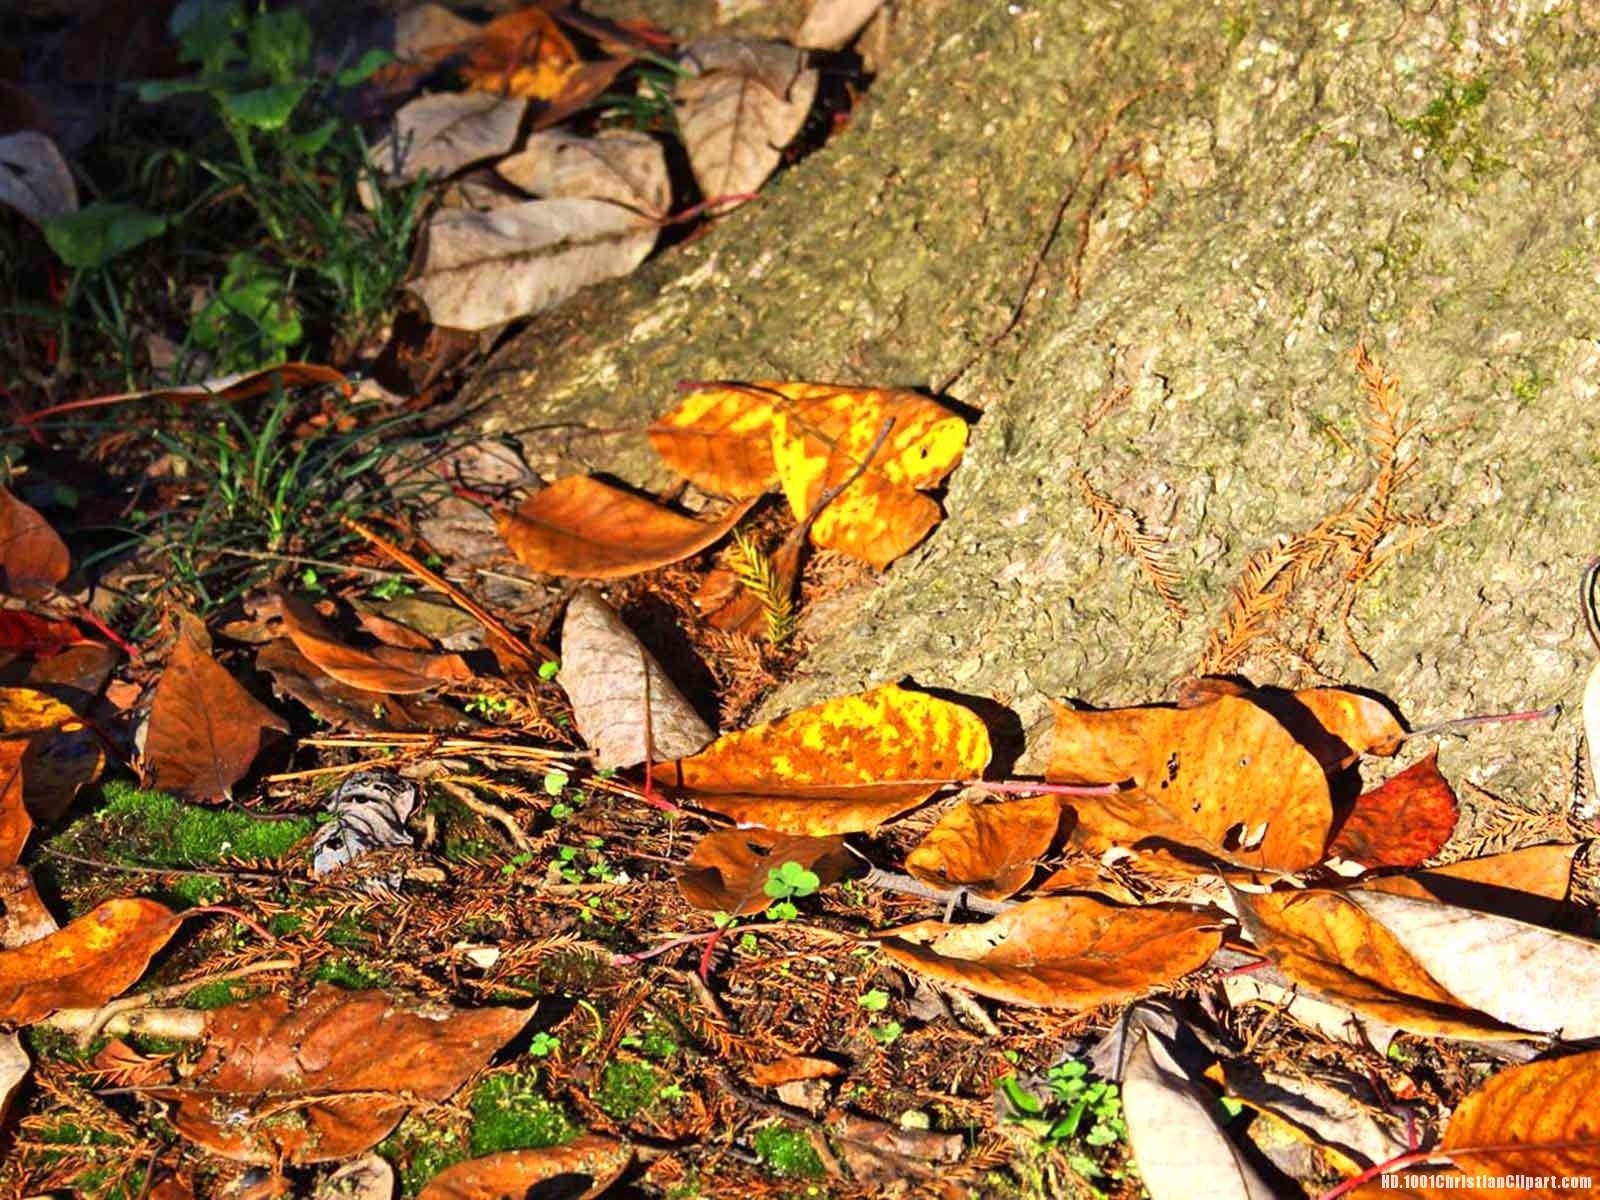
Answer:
(1247, 192)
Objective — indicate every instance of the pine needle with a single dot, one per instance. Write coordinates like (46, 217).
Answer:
(1126, 531)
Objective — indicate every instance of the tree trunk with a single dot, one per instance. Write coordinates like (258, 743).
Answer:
(1142, 241)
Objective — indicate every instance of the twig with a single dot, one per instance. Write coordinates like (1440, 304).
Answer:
(147, 869)
(90, 1022)
(491, 812)
(892, 881)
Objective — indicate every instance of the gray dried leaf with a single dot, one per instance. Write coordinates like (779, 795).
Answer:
(620, 165)
(1349, 1117)
(34, 178)
(832, 23)
(369, 1177)
(608, 675)
(737, 115)
(1180, 1149)
(481, 269)
(370, 810)
(14, 1066)
(442, 133)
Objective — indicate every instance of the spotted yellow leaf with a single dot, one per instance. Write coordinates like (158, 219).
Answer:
(838, 767)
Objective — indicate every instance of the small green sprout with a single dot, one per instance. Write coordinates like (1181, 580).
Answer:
(555, 782)
(549, 670)
(791, 881)
(543, 1045)
(875, 1000)
(888, 1033)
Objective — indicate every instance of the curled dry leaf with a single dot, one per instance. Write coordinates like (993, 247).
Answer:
(1403, 822)
(388, 670)
(1175, 1139)
(830, 24)
(727, 871)
(522, 1172)
(93, 959)
(1535, 1122)
(521, 53)
(736, 439)
(582, 527)
(1200, 777)
(343, 706)
(620, 165)
(33, 559)
(205, 729)
(842, 766)
(792, 1069)
(742, 104)
(623, 703)
(15, 823)
(482, 269)
(347, 1064)
(991, 848)
(1325, 941)
(62, 755)
(1060, 952)
(440, 134)
(34, 178)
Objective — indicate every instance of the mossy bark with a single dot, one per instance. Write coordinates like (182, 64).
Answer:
(1247, 193)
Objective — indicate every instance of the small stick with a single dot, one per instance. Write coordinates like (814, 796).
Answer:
(531, 653)
(89, 1022)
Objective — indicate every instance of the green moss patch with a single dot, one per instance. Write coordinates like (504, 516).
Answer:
(787, 1151)
(510, 1113)
(627, 1088)
(154, 827)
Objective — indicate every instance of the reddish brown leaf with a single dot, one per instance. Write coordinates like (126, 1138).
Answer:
(523, 53)
(205, 729)
(33, 559)
(1226, 778)
(93, 959)
(388, 670)
(342, 706)
(1060, 952)
(25, 633)
(842, 766)
(15, 824)
(992, 848)
(513, 1174)
(582, 527)
(1401, 823)
(347, 1065)
(727, 871)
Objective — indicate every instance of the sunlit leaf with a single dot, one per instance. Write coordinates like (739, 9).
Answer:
(728, 868)
(93, 959)
(991, 848)
(590, 1163)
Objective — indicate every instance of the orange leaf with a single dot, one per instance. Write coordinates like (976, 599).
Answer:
(1209, 777)
(520, 1172)
(93, 959)
(15, 824)
(1536, 1122)
(33, 559)
(1526, 885)
(387, 670)
(347, 1064)
(62, 755)
(1403, 822)
(727, 871)
(992, 848)
(1060, 952)
(793, 1069)
(523, 53)
(720, 439)
(205, 729)
(1324, 941)
(838, 767)
(582, 527)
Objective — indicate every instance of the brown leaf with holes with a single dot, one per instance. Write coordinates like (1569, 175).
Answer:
(33, 558)
(1060, 951)
(205, 729)
(841, 766)
(331, 1075)
(93, 959)
(554, 1171)
(1403, 822)
(727, 869)
(990, 848)
(582, 527)
(1324, 941)
(386, 670)
(15, 823)
(1536, 1123)
(1226, 778)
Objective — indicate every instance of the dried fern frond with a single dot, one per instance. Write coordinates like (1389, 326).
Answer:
(1128, 534)
(1357, 540)
(755, 570)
